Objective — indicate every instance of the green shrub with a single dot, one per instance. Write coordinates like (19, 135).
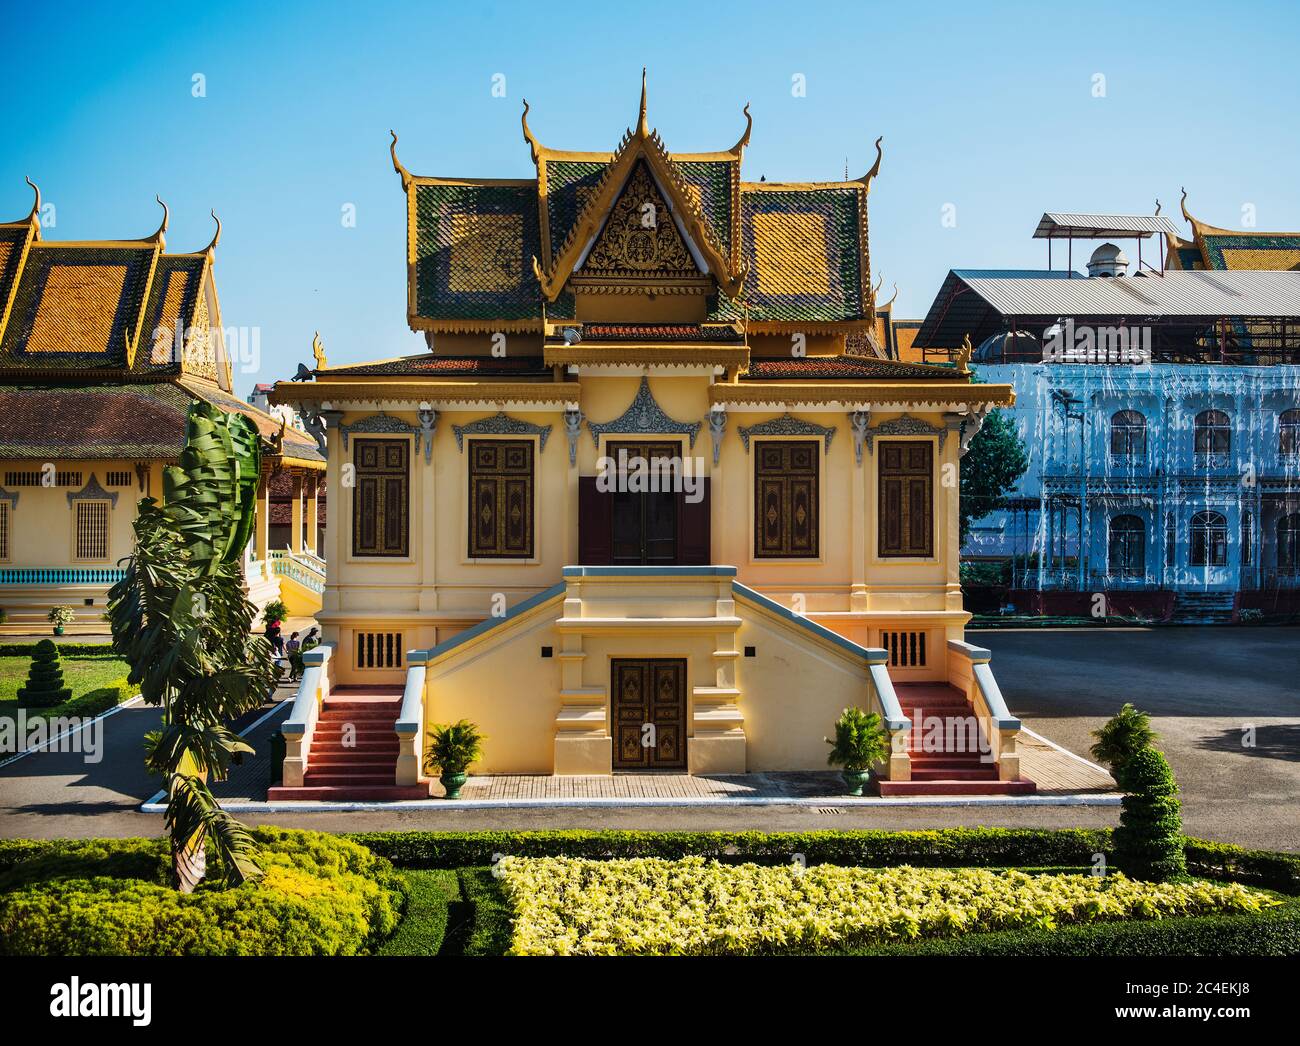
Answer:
(1120, 738)
(1273, 871)
(101, 699)
(321, 895)
(860, 741)
(1149, 839)
(453, 747)
(949, 847)
(489, 912)
(429, 893)
(44, 679)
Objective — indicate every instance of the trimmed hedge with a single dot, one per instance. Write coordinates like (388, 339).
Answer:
(1275, 932)
(1266, 868)
(975, 847)
(65, 649)
(321, 895)
(1149, 839)
(44, 687)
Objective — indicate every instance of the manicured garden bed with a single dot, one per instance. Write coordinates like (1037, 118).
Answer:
(991, 892)
(96, 677)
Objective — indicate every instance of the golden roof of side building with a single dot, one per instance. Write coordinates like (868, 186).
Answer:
(508, 254)
(1212, 247)
(122, 329)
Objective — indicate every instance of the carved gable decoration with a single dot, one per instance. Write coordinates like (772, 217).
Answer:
(643, 416)
(640, 239)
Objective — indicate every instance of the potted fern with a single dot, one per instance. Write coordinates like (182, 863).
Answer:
(59, 617)
(860, 742)
(452, 748)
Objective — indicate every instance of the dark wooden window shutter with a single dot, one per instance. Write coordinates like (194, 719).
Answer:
(595, 524)
(693, 529)
(381, 500)
(786, 506)
(501, 499)
(906, 475)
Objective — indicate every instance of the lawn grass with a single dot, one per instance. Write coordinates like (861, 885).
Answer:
(84, 673)
(423, 928)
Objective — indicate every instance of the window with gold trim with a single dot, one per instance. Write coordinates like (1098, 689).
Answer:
(381, 500)
(906, 524)
(500, 499)
(785, 499)
(92, 530)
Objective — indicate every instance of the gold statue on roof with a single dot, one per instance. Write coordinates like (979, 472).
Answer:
(318, 351)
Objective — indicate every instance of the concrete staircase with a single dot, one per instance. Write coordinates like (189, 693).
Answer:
(354, 748)
(1203, 608)
(951, 763)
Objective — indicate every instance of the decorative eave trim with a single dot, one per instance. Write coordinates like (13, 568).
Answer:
(92, 491)
(811, 327)
(531, 325)
(501, 424)
(766, 393)
(551, 392)
(643, 416)
(786, 425)
(649, 355)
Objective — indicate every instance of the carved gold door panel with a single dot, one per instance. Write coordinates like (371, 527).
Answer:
(649, 713)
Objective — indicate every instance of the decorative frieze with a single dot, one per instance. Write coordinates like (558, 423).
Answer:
(500, 424)
(786, 425)
(379, 424)
(644, 417)
(92, 491)
(907, 425)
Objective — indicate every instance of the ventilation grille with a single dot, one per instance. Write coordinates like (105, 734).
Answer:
(906, 649)
(119, 479)
(379, 649)
(36, 479)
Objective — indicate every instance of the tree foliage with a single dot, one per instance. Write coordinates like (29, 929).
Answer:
(181, 619)
(994, 461)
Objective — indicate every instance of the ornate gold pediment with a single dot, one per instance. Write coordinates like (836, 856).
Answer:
(640, 239)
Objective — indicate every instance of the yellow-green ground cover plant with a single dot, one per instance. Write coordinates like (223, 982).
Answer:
(321, 895)
(695, 906)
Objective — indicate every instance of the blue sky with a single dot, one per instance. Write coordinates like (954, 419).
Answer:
(988, 107)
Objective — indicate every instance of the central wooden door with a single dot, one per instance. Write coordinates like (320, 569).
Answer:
(649, 713)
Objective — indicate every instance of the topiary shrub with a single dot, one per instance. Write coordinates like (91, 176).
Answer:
(1149, 839)
(1123, 736)
(44, 679)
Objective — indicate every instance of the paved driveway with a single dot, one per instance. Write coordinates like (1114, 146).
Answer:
(1203, 687)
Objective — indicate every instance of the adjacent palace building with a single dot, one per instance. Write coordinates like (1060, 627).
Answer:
(654, 498)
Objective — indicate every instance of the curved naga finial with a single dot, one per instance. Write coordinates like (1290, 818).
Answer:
(162, 229)
(643, 125)
(318, 352)
(875, 167)
(397, 164)
(35, 215)
(744, 138)
(876, 289)
(891, 301)
(216, 237)
(1183, 206)
(964, 354)
(529, 137)
(1157, 207)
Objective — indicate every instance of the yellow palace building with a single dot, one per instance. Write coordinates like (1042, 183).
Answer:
(104, 346)
(653, 499)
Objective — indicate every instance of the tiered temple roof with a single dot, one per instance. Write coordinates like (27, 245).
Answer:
(1229, 249)
(489, 255)
(91, 365)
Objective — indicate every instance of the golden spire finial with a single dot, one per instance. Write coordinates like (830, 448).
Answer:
(216, 237)
(397, 164)
(1183, 206)
(318, 352)
(643, 126)
(35, 215)
(744, 138)
(875, 167)
(529, 137)
(964, 354)
(160, 236)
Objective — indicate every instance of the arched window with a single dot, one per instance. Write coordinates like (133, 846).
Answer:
(1211, 433)
(1128, 434)
(1127, 547)
(1288, 542)
(1209, 540)
(1288, 433)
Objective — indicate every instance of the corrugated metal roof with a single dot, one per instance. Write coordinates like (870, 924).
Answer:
(1177, 293)
(1060, 225)
(975, 301)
